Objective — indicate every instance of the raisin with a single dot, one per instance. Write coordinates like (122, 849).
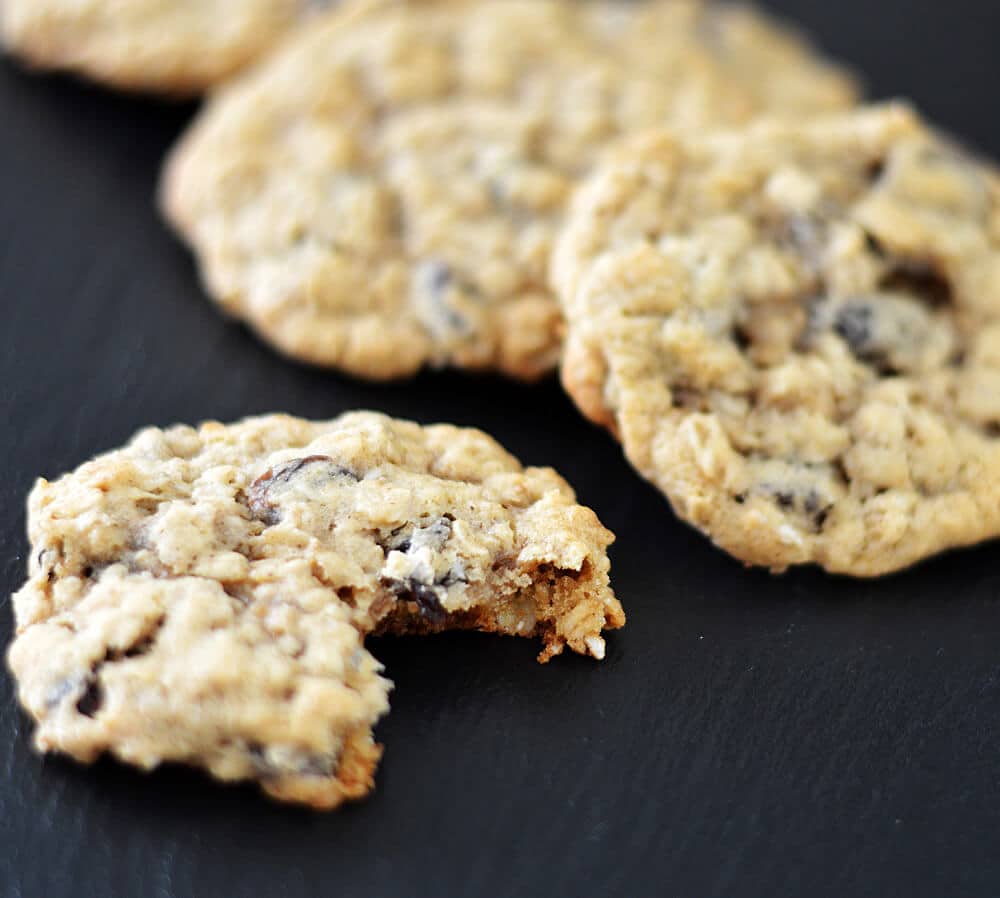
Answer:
(302, 765)
(854, 324)
(816, 509)
(423, 596)
(442, 292)
(811, 503)
(48, 566)
(259, 499)
(439, 276)
(805, 235)
(454, 576)
(434, 535)
(892, 333)
(407, 537)
(58, 692)
(784, 499)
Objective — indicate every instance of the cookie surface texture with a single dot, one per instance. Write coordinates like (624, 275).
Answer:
(384, 192)
(795, 332)
(202, 596)
(168, 46)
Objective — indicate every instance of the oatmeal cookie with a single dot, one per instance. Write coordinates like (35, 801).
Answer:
(167, 46)
(795, 332)
(202, 596)
(384, 192)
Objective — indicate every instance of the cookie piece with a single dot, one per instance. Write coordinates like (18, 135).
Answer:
(795, 331)
(383, 193)
(202, 596)
(168, 46)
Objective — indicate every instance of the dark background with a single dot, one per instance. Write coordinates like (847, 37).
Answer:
(746, 736)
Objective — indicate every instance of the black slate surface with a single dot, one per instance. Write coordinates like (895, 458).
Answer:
(747, 735)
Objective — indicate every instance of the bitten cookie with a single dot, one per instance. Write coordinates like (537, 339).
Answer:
(795, 332)
(168, 46)
(201, 596)
(383, 193)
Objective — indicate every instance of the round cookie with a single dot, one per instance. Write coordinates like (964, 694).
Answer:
(795, 332)
(169, 46)
(383, 193)
(202, 596)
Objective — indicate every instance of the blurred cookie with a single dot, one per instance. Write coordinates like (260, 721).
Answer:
(202, 596)
(795, 332)
(384, 192)
(168, 46)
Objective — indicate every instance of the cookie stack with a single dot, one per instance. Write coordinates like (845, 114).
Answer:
(785, 306)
